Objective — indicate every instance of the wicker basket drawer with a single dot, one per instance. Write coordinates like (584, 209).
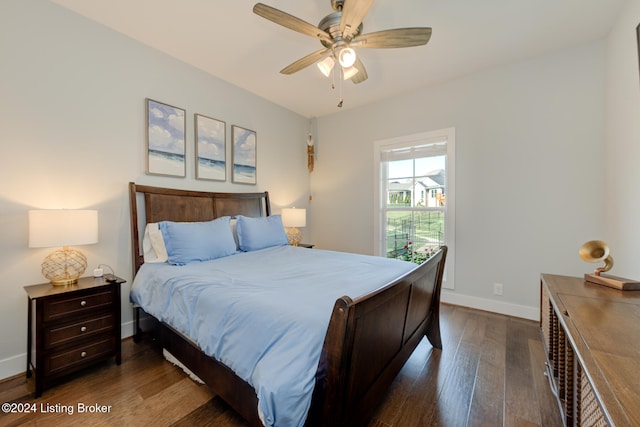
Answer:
(590, 413)
(546, 313)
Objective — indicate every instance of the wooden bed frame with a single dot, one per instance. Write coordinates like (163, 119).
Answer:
(368, 340)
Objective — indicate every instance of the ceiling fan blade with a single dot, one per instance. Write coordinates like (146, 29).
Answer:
(306, 61)
(362, 72)
(353, 13)
(290, 21)
(399, 37)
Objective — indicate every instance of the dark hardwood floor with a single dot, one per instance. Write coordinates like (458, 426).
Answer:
(489, 373)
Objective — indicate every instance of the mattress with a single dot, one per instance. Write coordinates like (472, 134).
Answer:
(264, 313)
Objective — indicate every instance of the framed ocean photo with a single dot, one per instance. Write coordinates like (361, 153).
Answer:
(638, 41)
(166, 126)
(244, 155)
(210, 148)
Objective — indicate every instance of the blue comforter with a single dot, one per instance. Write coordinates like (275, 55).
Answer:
(264, 314)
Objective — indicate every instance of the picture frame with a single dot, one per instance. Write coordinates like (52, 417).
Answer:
(211, 148)
(638, 44)
(244, 155)
(166, 128)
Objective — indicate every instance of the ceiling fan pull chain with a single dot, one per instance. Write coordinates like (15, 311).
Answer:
(340, 79)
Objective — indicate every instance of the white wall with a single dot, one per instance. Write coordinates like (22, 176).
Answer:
(72, 129)
(529, 139)
(621, 196)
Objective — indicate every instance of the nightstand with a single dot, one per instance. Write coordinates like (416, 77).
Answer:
(71, 327)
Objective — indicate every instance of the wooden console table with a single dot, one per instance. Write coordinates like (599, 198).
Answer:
(591, 335)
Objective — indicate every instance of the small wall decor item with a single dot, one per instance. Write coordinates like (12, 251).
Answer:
(166, 127)
(310, 152)
(244, 155)
(210, 148)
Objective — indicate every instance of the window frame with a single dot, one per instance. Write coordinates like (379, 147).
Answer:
(416, 140)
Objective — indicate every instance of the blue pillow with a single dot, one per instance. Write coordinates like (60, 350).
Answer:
(188, 242)
(260, 233)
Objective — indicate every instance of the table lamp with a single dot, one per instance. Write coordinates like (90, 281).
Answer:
(63, 228)
(293, 218)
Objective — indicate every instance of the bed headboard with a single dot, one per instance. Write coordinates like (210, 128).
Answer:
(168, 204)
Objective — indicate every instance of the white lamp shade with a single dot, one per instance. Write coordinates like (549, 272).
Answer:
(347, 73)
(62, 227)
(292, 217)
(326, 65)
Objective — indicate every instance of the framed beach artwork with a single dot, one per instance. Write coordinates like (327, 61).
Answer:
(210, 148)
(166, 127)
(638, 42)
(244, 155)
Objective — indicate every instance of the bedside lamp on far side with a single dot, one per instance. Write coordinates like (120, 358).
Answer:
(63, 228)
(293, 218)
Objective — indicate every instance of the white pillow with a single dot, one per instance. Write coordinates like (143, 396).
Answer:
(234, 231)
(153, 247)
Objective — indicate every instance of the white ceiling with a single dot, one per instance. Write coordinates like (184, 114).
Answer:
(227, 40)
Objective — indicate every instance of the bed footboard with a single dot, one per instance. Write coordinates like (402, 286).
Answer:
(368, 341)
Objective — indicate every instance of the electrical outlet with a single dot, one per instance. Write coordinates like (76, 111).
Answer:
(497, 288)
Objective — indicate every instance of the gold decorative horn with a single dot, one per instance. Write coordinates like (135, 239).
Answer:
(597, 251)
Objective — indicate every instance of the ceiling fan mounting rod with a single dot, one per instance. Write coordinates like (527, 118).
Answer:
(337, 5)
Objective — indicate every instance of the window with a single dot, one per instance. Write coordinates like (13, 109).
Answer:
(414, 201)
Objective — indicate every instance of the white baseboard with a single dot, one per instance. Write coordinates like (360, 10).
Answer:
(126, 329)
(509, 309)
(15, 365)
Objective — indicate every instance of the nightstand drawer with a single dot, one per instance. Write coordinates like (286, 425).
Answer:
(64, 334)
(75, 357)
(57, 308)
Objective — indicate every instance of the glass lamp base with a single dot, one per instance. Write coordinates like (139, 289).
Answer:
(64, 266)
(294, 235)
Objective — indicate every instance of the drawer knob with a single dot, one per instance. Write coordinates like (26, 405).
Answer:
(83, 303)
(83, 354)
(83, 329)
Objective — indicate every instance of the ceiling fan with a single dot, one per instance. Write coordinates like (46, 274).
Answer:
(340, 32)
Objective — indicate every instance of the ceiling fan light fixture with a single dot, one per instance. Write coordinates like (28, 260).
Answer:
(347, 57)
(349, 72)
(326, 65)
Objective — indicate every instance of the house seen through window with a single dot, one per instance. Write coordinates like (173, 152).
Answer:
(415, 187)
